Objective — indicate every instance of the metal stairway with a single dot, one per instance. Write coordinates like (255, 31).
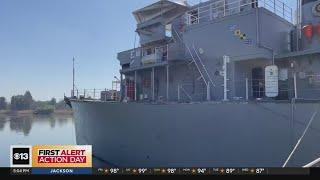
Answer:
(196, 59)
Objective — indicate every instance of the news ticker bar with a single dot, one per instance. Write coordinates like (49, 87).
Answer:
(161, 171)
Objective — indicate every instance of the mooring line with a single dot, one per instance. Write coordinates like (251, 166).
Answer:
(300, 140)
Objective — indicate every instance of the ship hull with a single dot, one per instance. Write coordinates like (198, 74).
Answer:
(197, 135)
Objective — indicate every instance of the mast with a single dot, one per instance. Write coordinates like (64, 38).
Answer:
(299, 19)
(73, 77)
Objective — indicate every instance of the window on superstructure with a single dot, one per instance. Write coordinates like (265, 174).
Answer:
(126, 66)
(148, 51)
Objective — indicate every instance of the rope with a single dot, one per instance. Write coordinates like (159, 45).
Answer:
(300, 140)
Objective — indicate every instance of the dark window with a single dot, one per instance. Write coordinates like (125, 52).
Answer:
(258, 82)
(126, 66)
(254, 4)
(149, 51)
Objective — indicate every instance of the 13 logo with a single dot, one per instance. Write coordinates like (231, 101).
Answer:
(21, 156)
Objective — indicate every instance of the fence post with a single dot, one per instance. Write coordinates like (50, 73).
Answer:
(135, 86)
(94, 93)
(198, 20)
(226, 60)
(224, 8)
(210, 11)
(84, 93)
(247, 89)
(208, 92)
(105, 94)
(179, 92)
(188, 18)
(274, 6)
(167, 52)
(77, 94)
(295, 85)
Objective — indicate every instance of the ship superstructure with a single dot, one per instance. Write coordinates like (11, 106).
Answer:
(219, 50)
(189, 53)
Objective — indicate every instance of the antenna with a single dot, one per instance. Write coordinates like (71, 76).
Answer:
(73, 77)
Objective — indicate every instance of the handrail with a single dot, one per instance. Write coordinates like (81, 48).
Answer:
(96, 94)
(205, 69)
(276, 6)
(189, 50)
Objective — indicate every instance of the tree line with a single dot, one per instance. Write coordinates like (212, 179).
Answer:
(26, 102)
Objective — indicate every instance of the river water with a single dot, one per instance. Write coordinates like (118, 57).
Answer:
(34, 130)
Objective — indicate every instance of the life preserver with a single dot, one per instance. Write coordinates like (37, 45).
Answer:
(308, 31)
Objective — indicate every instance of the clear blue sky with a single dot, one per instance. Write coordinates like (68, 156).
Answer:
(38, 39)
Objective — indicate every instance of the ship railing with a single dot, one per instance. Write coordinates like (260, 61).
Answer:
(304, 87)
(163, 50)
(155, 54)
(223, 8)
(247, 89)
(97, 94)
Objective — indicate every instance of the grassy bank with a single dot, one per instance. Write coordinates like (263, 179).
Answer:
(29, 112)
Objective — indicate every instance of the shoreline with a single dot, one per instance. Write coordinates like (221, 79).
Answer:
(31, 112)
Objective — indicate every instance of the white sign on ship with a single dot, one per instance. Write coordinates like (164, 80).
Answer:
(272, 81)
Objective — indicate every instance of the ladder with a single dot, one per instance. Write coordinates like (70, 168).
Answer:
(196, 59)
(202, 64)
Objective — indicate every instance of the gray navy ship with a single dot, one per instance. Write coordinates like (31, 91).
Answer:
(221, 83)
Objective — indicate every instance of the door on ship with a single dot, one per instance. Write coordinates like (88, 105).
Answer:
(258, 82)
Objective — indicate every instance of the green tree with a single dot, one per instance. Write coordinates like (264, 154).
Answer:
(53, 102)
(28, 100)
(17, 103)
(22, 102)
(3, 103)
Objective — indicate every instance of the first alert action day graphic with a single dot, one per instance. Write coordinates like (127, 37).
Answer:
(52, 156)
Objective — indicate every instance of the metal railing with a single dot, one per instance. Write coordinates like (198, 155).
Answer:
(157, 54)
(96, 95)
(196, 59)
(302, 87)
(222, 8)
(247, 89)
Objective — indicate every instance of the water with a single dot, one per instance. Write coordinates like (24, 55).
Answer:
(34, 130)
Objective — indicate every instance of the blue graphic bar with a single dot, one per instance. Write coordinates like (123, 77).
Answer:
(62, 171)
